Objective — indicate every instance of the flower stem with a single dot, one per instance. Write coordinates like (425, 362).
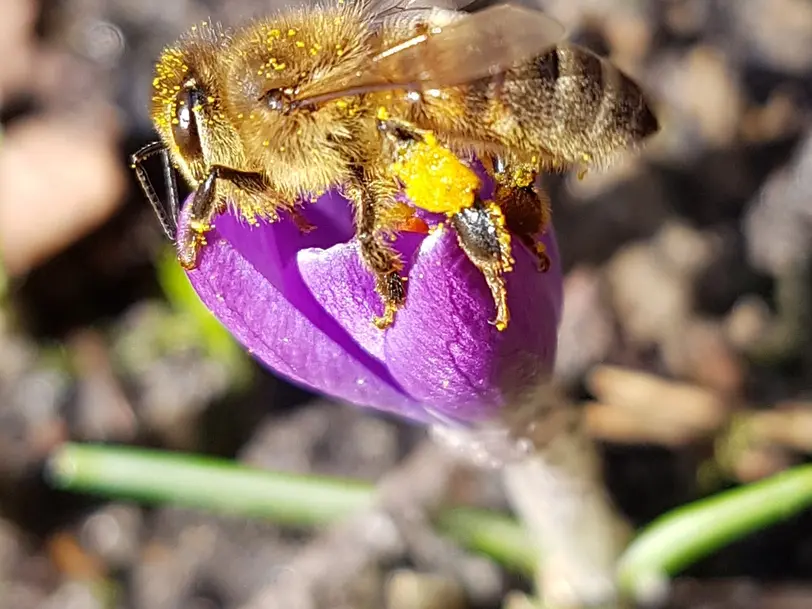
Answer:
(218, 485)
(559, 496)
(496, 536)
(689, 533)
(554, 484)
(152, 476)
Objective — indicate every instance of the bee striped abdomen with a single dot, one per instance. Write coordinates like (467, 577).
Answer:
(575, 107)
(624, 118)
(578, 92)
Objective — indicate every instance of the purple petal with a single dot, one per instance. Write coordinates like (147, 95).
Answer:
(304, 304)
(254, 288)
(444, 351)
(346, 289)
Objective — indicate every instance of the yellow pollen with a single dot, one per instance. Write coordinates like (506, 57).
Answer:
(200, 227)
(435, 178)
(291, 32)
(299, 44)
(524, 177)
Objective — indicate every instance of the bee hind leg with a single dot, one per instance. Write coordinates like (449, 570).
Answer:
(526, 207)
(485, 239)
(527, 216)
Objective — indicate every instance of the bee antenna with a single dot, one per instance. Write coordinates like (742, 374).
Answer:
(169, 210)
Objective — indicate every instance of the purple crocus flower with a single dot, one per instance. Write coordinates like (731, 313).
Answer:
(303, 305)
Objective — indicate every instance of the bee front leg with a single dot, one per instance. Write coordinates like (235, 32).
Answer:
(206, 205)
(485, 239)
(378, 256)
(192, 236)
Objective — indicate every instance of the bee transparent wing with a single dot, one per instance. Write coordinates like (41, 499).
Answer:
(473, 47)
(473, 6)
(380, 9)
(466, 49)
(385, 8)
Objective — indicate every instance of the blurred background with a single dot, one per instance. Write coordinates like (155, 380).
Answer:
(686, 334)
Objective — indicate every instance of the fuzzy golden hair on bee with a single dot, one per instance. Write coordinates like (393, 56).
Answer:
(282, 57)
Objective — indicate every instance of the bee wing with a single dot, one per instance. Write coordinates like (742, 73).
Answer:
(468, 48)
(475, 46)
(380, 9)
(385, 8)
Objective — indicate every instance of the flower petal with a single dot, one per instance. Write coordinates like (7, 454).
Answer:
(246, 277)
(345, 288)
(304, 305)
(443, 349)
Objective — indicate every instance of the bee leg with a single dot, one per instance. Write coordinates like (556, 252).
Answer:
(303, 224)
(526, 207)
(485, 239)
(490, 165)
(192, 236)
(399, 131)
(527, 214)
(379, 257)
(205, 207)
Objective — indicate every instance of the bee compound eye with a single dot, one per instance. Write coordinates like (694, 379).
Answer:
(185, 129)
(275, 100)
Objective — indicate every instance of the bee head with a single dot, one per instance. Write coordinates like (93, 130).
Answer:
(186, 107)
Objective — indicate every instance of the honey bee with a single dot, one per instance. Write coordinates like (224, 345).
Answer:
(375, 96)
